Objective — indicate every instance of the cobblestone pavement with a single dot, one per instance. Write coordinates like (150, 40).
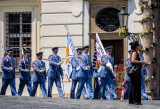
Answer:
(9, 102)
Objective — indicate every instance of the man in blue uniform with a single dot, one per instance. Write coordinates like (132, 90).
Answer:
(39, 76)
(85, 73)
(143, 75)
(127, 78)
(8, 73)
(54, 72)
(25, 77)
(73, 76)
(107, 75)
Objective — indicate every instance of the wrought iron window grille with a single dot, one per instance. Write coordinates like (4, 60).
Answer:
(18, 33)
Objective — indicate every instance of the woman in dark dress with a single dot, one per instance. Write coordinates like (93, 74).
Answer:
(135, 83)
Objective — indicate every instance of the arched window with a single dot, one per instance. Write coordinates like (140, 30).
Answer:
(107, 19)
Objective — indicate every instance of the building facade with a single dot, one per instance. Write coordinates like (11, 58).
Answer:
(39, 25)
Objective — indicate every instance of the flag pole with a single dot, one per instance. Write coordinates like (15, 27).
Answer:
(66, 26)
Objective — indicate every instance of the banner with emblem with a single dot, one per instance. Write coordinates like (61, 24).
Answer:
(70, 53)
(100, 49)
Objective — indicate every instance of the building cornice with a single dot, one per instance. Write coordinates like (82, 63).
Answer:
(102, 1)
(8, 3)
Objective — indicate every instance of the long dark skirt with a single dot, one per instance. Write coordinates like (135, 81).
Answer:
(135, 88)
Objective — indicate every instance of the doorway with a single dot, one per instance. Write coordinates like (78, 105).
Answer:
(118, 51)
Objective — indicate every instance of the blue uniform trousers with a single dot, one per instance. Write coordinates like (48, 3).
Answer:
(143, 91)
(111, 86)
(107, 94)
(58, 84)
(105, 83)
(42, 86)
(22, 84)
(104, 90)
(88, 82)
(96, 88)
(74, 83)
(89, 88)
(5, 83)
(126, 94)
(84, 93)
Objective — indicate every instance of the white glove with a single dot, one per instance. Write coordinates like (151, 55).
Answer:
(99, 68)
(109, 65)
(77, 68)
(86, 68)
(42, 71)
(60, 63)
(10, 68)
(26, 70)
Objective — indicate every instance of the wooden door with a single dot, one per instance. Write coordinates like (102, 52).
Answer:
(117, 50)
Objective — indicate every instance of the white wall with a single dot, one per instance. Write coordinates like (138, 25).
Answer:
(134, 11)
(55, 14)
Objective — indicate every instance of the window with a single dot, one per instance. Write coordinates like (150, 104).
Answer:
(18, 33)
(107, 19)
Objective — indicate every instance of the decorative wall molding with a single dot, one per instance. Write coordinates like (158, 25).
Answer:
(76, 7)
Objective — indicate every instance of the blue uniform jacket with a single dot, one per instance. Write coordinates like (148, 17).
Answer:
(37, 67)
(83, 62)
(106, 72)
(23, 74)
(127, 65)
(75, 65)
(95, 75)
(6, 72)
(143, 68)
(54, 69)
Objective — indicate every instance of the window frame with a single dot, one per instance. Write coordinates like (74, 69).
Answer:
(34, 30)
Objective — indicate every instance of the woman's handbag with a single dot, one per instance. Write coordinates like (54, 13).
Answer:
(131, 71)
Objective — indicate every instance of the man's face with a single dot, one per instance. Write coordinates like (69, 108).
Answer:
(108, 52)
(79, 53)
(27, 56)
(55, 52)
(39, 57)
(86, 51)
(10, 54)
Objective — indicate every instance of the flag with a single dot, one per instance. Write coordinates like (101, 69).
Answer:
(100, 50)
(70, 53)
(94, 65)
